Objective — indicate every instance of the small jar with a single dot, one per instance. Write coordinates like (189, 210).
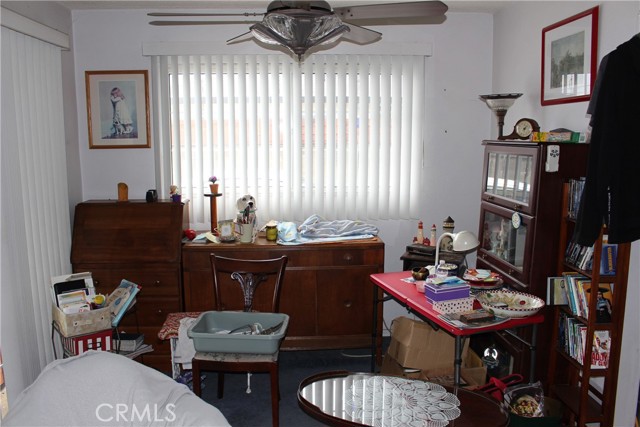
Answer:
(445, 270)
(272, 233)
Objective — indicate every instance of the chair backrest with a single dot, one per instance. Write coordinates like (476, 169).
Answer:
(247, 284)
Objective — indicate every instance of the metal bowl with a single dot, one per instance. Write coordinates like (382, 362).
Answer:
(419, 273)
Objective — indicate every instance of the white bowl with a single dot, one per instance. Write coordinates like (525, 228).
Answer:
(505, 303)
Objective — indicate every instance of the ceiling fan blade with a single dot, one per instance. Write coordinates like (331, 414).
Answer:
(241, 38)
(171, 23)
(360, 35)
(392, 13)
(180, 14)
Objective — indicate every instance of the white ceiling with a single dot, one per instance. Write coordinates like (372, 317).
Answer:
(454, 5)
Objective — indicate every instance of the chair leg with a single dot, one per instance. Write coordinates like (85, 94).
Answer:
(275, 395)
(195, 371)
(220, 384)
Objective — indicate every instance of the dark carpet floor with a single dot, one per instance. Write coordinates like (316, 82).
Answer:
(254, 409)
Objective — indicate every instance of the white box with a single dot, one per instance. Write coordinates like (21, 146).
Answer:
(459, 305)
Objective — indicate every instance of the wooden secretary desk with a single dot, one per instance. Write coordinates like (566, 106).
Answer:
(140, 242)
(326, 289)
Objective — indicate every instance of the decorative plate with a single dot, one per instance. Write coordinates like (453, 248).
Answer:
(505, 303)
(482, 279)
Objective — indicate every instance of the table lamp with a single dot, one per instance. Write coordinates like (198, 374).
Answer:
(463, 241)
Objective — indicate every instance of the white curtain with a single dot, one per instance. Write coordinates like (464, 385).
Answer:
(36, 236)
(337, 135)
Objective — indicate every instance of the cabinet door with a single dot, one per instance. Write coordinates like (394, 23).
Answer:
(345, 300)
(505, 248)
(509, 176)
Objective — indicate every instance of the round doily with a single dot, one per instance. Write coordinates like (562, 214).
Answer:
(399, 402)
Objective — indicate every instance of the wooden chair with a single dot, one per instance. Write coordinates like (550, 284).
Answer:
(247, 285)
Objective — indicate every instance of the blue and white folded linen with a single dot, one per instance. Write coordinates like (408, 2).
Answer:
(315, 229)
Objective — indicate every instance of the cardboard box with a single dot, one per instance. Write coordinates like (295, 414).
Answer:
(472, 373)
(415, 344)
(417, 350)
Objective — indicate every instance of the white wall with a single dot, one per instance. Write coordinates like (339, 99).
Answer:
(516, 68)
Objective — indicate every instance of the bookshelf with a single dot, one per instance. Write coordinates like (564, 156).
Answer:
(588, 390)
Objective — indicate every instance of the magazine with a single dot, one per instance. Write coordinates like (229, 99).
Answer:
(454, 319)
(121, 299)
(601, 346)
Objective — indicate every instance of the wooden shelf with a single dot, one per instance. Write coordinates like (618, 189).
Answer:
(570, 396)
(569, 380)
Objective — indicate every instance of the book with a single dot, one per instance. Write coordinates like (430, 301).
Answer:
(71, 282)
(576, 187)
(604, 307)
(601, 349)
(142, 349)
(608, 259)
(584, 290)
(128, 342)
(121, 299)
(557, 291)
(571, 280)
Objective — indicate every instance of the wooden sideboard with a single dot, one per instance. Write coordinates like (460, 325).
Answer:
(326, 290)
(140, 242)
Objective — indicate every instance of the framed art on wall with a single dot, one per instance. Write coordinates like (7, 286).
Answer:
(569, 58)
(118, 109)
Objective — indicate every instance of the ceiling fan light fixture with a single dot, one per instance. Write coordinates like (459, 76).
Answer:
(298, 34)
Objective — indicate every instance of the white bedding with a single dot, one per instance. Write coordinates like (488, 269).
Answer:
(105, 389)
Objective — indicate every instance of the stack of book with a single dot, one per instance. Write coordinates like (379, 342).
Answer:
(574, 290)
(572, 339)
(582, 257)
(576, 187)
(131, 345)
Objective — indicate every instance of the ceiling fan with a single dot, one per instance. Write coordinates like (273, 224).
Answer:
(301, 25)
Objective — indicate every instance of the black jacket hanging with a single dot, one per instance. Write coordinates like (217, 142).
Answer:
(612, 188)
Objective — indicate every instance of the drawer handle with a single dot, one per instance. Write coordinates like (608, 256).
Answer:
(348, 257)
(157, 282)
(348, 304)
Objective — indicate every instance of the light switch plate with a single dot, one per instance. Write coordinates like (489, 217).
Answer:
(553, 158)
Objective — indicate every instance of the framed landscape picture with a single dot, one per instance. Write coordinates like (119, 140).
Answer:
(569, 58)
(118, 109)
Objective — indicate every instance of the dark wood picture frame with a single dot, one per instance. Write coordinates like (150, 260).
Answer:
(118, 109)
(569, 59)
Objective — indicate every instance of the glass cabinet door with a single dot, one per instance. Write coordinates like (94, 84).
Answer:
(502, 246)
(509, 174)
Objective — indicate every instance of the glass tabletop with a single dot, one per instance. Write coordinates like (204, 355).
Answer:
(363, 399)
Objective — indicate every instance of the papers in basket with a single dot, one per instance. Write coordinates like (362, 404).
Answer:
(121, 299)
(75, 294)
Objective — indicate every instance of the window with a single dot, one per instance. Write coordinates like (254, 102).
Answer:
(337, 135)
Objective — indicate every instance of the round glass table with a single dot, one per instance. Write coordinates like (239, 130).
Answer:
(343, 398)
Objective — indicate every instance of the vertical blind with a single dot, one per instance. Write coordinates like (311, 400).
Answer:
(340, 136)
(36, 231)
